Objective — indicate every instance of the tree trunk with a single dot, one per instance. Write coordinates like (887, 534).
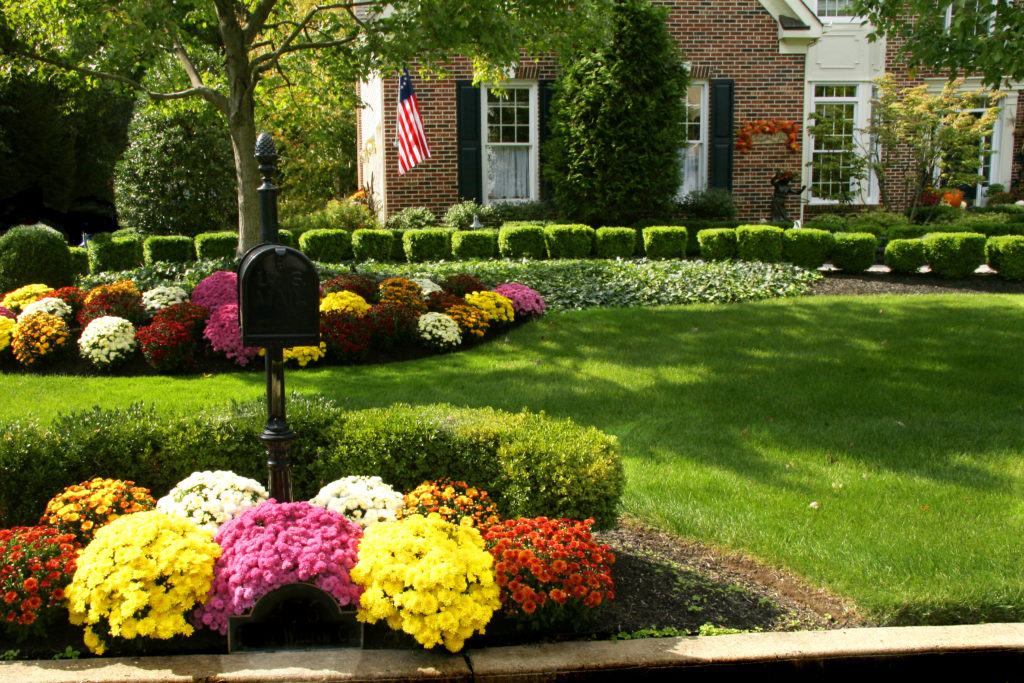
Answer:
(242, 126)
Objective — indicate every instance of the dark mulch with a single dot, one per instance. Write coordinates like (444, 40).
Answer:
(837, 283)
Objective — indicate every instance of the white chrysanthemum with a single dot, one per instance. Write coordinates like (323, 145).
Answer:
(107, 340)
(427, 286)
(209, 499)
(439, 331)
(162, 297)
(364, 500)
(50, 304)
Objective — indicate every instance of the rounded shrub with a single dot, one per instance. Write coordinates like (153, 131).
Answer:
(521, 241)
(79, 261)
(337, 215)
(877, 223)
(759, 243)
(168, 248)
(215, 245)
(1006, 256)
(434, 244)
(905, 256)
(460, 216)
(954, 254)
(569, 241)
(287, 238)
(474, 244)
(717, 244)
(413, 218)
(326, 245)
(907, 232)
(854, 252)
(827, 221)
(665, 242)
(615, 242)
(111, 254)
(372, 245)
(807, 247)
(34, 253)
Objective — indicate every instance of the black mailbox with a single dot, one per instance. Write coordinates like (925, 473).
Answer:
(278, 298)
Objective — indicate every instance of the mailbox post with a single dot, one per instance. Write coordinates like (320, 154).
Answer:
(278, 307)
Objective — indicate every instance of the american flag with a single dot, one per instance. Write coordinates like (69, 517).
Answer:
(412, 142)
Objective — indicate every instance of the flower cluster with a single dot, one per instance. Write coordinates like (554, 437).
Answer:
(745, 139)
(6, 333)
(430, 578)
(495, 306)
(441, 301)
(427, 287)
(191, 315)
(454, 501)
(216, 290)
(210, 499)
(119, 303)
(347, 335)
(954, 197)
(167, 345)
(399, 290)
(36, 565)
(140, 576)
(119, 287)
(162, 297)
(83, 508)
(47, 304)
(526, 301)
(7, 313)
(39, 336)
(550, 570)
(358, 284)
(470, 319)
(439, 331)
(344, 300)
(393, 323)
(304, 355)
(22, 296)
(107, 341)
(72, 296)
(364, 500)
(273, 545)
(462, 284)
(225, 335)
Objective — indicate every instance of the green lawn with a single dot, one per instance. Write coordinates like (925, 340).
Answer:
(903, 417)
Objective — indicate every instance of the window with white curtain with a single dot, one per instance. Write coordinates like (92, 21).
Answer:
(510, 142)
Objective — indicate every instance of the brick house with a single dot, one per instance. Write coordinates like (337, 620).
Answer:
(749, 60)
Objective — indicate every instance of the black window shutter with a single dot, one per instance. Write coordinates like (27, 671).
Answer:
(467, 104)
(546, 92)
(720, 162)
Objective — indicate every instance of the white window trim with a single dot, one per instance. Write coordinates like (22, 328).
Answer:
(948, 18)
(702, 171)
(862, 112)
(835, 19)
(534, 88)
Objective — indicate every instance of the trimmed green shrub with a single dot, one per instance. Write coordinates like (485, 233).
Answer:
(954, 254)
(169, 249)
(908, 232)
(397, 245)
(759, 243)
(877, 223)
(988, 224)
(288, 238)
(468, 245)
(665, 241)
(326, 246)
(413, 218)
(79, 261)
(521, 241)
(210, 245)
(854, 252)
(569, 241)
(808, 248)
(372, 244)
(1005, 254)
(433, 244)
(827, 221)
(717, 244)
(337, 215)
(714, 202)
(34, 254)
(530, 464)
(905, 256)
(111, 254)
(460, 216)
(615, 242)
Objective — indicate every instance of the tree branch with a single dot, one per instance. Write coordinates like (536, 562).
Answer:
(266, 62)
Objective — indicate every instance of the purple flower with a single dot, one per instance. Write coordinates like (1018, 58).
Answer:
(216, 290)
(225, 335)
(525, 301)
(7, 313)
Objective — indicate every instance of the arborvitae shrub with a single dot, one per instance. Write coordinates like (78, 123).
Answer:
(34, 253)
(211, 245)
(615, 242)
(717, 244)
(667, 241)
(432, 244)
(327, 245)
(954, 254)
(569, 241)
(904, 256)
(807, 247)
(522, 241)
(474, 244)
(372, 245)
(759, 243)
(169, 248)
(1006, 256)
(108, 253)
(854, 252)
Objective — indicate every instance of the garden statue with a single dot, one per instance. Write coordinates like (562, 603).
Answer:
(782, 181)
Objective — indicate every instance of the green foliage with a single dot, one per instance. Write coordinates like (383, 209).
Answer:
(532, 212)
(434, 244)
(107, 253)
(475, 244)
(372, 244)
(185, 275)
(34, 253)
(907, 232)
(714, 202)
(954, 254)
(398, 245)
(287, 238)
(666, 241)
(827, 221)
(854, 252)
(337, 215)
(905, 256)
(569, 241)
(717, 244)
(607, 163)
(176, 248)
(328, 246)
(615, 242)
(759, 243)
(522, 241)
(79, 261)
(460, 216)
(807, 247)
(988, 224)
(413, 218)
(1005, 254)
(177, 175)
(216, 245)
(878, 223)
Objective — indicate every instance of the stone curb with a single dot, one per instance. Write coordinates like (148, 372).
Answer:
(571, 660)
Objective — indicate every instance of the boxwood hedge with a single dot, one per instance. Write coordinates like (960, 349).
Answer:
(1006, 255)
(475, 244)
(808, 248)
(954, 254)
(429, 244)
(717, 244)
(169, 248)
(854, 252)
(905, 256)
(522, 241)
(211, 245)
(665, 241)
(759, 243)
(107, 253)
(327, 245)
(615, 242)
(569, 241)
(372, 244)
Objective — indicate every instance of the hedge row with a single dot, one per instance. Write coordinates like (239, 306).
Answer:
(532, 465)
(958, 254)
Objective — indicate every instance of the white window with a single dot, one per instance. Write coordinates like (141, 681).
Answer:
(980, 15)
(694, 158)
(844, 108)
(988, 164)
(510, 142)
(835, 9)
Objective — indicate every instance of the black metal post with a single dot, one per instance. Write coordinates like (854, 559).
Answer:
(266, 154)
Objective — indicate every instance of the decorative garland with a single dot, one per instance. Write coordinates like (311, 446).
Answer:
(745, 141)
